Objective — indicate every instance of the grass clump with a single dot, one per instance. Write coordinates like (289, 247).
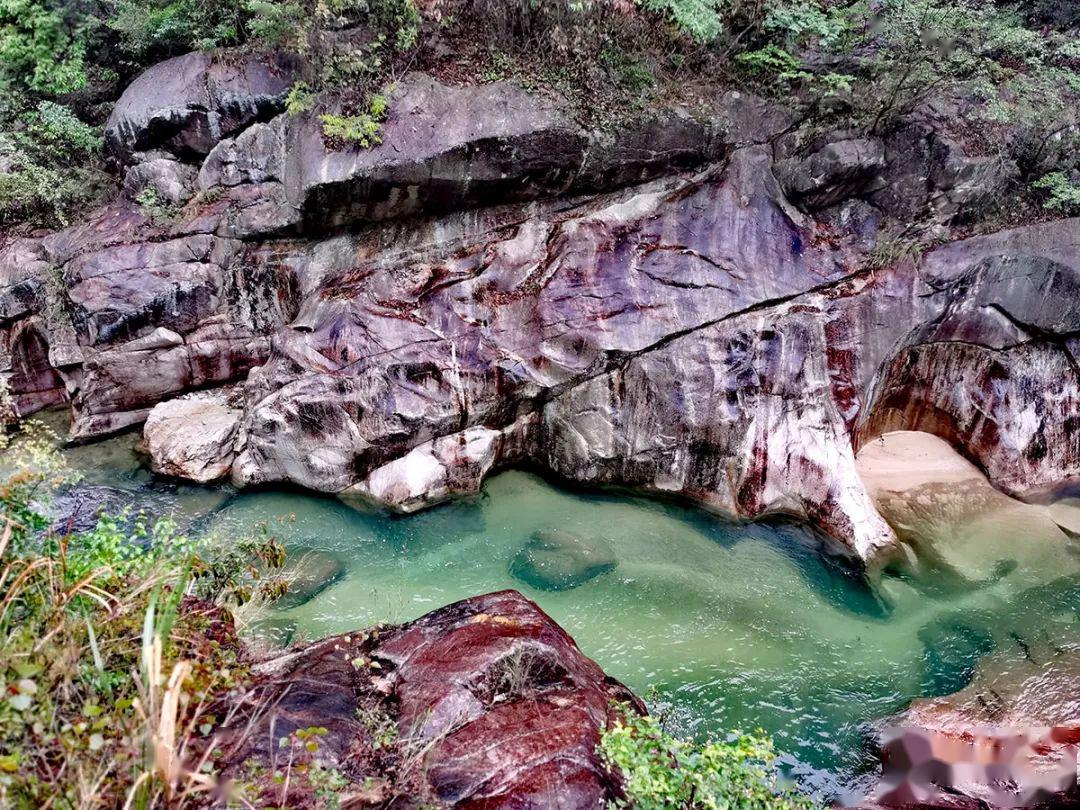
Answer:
(360, 130)
(112, 646)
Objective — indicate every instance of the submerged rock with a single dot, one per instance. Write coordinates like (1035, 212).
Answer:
(1066, 514)
(557, 560)
(308, 575)
(79, 507)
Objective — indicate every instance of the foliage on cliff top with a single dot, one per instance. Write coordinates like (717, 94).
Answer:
(1007, 74)
(111, 646)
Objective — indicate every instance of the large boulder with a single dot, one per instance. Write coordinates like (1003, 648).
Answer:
(308, 573)
(186, 104)
(445, 147)
(193, 437)
(432, 472)
(499, 701)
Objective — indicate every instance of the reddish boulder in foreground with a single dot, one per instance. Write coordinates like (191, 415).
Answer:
(483, 703)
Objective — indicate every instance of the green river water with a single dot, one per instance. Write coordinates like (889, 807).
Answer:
(736, 625)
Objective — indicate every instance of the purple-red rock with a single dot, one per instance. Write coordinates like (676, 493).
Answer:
(696, 335)
(483, 703)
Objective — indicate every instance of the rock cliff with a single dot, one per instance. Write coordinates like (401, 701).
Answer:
(697, 305)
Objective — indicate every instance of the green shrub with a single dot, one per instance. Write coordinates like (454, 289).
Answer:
(700, 19)
(159, 27)
(300, 98)
(362, 129)
(660, 771)
(157, 210)
(39, 49)
(273, 23)
(628, 71)
(56, 128)
(1061, 193)
(911, 48)
(49, 156)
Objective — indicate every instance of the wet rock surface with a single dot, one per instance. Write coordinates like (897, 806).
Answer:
(483, 703)
(684, 306)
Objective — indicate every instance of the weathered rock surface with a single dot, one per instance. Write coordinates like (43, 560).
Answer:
(696, 335)
(193, 437)
(501, 705)
(450, 466)
(834, 172)
(188, 103)
(943, 507)
(170, 181)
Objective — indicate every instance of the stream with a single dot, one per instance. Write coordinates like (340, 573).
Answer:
(734, 625)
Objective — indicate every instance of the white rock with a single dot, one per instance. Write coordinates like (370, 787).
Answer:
(193, 437)
(446, 467)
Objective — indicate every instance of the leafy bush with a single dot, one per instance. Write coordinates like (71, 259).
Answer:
(274, 23)
(1062, 193)
(362, 129)
(150, 28)
(39, 49)
(48, 154)
(699, 18)
(660, 771)
(300, 98)
(911, 48)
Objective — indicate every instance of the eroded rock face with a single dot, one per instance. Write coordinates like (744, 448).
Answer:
(433, 472)
(187, 104)
(943, 507)
(506, 709)
(496, 296)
